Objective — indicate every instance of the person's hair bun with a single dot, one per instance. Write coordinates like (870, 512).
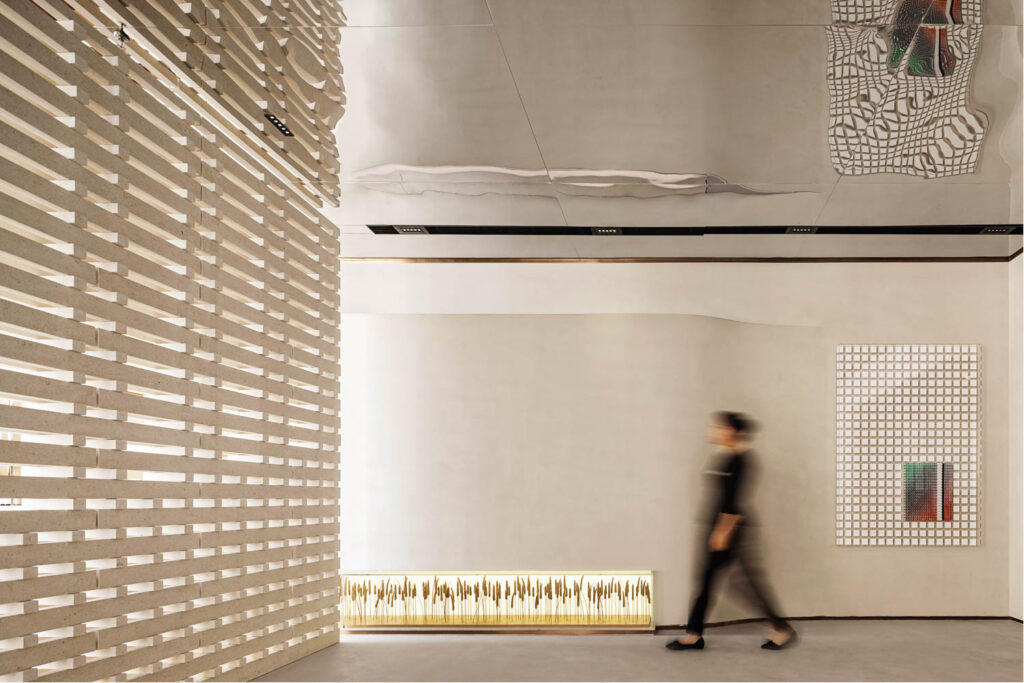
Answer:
(743, 424)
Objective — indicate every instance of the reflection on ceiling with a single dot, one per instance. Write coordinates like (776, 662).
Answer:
(575, 181)
(681, 113)
(899, 73)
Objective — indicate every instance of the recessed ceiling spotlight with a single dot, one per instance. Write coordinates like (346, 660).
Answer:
(411, 229)
(802, 229)
(1002, 230)
(279, 124)
(606, 231)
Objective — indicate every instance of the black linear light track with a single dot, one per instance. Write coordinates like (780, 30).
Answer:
(987, 229)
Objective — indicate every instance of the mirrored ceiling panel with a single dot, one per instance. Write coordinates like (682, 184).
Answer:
(673, 113)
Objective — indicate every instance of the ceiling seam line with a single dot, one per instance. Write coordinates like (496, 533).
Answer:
(522, 105)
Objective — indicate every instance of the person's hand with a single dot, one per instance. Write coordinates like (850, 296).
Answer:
(718, 541)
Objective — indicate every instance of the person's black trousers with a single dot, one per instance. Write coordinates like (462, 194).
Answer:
(743, 548)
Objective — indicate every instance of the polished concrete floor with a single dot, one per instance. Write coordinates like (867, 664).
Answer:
(883, 650)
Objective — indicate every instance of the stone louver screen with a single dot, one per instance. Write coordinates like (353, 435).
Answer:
(168, 338)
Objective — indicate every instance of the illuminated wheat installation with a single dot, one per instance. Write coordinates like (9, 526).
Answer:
(525, 599)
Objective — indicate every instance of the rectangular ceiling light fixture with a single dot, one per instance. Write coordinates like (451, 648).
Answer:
(411, 229)
(280, 125)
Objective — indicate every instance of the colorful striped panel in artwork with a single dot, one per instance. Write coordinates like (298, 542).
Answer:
(927, 491)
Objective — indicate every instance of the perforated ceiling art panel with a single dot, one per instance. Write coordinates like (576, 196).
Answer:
(168, 343)
(908, 454)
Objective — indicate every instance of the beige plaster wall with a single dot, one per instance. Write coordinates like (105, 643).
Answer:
(451, 401)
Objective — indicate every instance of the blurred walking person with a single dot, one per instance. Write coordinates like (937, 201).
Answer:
(731, 534)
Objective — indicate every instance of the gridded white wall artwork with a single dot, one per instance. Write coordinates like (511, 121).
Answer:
(906, 403)
(168, 338)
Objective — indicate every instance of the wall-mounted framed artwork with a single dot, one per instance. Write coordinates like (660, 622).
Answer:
(908, 453)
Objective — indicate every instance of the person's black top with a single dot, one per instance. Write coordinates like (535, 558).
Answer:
(729, 476)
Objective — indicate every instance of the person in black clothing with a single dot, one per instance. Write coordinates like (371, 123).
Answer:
(731, 536)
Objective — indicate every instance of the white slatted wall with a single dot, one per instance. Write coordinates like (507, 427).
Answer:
(168, 338)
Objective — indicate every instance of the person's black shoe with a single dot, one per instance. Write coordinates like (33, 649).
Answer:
(676, 645)
(772, 645)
